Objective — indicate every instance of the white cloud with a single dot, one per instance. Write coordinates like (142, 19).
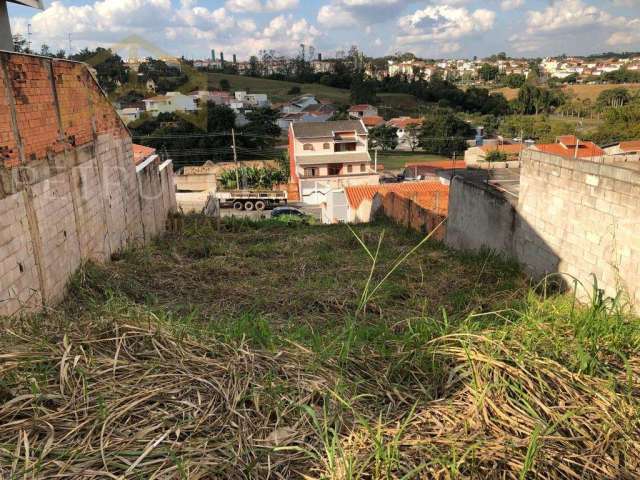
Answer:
(349, 13)
(256, 6)
(511, 4)
(336, 16)
(567, 24)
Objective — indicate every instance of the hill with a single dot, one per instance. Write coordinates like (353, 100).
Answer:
(276, 89)
(579, 91)
(276, 350)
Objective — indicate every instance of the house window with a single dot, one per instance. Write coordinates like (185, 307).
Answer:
(308, 146)
(349, 168)
(363, 167)
(326, 146)
(334, 169)
(311, 172)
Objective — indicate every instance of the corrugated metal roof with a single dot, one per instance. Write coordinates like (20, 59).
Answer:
(326, 129)
(333, 158)
(357, 194)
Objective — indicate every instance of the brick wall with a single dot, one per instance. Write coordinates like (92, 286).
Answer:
(410, 213)
(69, 190)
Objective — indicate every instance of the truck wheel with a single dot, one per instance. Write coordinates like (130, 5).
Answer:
(248, 206)
(237, 205)
(260, 205)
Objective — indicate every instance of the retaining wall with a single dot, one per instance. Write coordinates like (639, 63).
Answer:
(69, 190)
(575, 217)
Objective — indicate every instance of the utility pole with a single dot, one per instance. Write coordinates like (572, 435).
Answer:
(375, 161)
(29, 37)
(235, 157)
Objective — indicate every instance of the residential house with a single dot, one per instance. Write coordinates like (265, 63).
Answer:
(169, 103)
(631, 147)
(372, 122)
(402, 124)
(325, 157)
(299, 104)
(253, 99)
(359, 112)
(129, 114)
(432, 195)
(569, 146)
(313, 113)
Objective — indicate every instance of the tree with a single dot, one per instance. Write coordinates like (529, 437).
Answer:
(45, 51)
(262, 131)
(514, 80)
(496, 156)
(362, 91)
(383, 137)
(254, 66)
(110, 68)
(488, 72)
(20, 44)
(614, 97)
(443, 133)
(412, 136)
(225, 85)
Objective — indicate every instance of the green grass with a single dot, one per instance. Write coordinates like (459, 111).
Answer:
(283, 350)
(277, 90)
(397, 160)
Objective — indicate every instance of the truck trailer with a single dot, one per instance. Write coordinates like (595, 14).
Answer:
(252, 199)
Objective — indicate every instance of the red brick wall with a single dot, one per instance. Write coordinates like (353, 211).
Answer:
(409, 213)
(50, 120)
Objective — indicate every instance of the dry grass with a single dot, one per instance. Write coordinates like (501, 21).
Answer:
(121, 383)
(580, 92)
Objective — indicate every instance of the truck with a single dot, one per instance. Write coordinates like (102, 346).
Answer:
(252, 199)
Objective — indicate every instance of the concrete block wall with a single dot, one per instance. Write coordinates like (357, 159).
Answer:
(574, 217)
(69, 189)
(588, 213)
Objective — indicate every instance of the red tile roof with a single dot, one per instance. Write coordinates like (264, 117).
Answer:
(630, 146)
(568, 140)
(360, 108)
(403, 122)
(372, 121)
(584, 150)
(140, 153)
(357, 194)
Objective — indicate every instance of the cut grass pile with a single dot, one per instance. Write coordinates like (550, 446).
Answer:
(243, 354)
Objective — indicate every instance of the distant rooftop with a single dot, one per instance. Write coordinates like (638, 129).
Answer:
(327, 129)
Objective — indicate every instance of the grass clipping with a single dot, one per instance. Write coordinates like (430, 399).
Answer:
(117, 400)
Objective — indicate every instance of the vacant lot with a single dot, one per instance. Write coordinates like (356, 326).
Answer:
(397, 160)
(578, 91)
(268, 350)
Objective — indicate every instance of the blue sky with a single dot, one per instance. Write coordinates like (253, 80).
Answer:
(434, 28)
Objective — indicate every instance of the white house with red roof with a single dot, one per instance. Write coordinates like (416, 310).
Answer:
(630, 147)
(358, 112)
(169, 103)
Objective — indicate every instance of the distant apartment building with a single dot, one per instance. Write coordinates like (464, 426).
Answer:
(323, 66)
(325, 157)
(170, 103)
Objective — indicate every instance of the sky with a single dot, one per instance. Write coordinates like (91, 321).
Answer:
(430, 29)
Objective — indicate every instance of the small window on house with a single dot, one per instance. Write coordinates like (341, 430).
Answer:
(326, 146)
(349, 168)
(363, 167)
(311, 172)
(307, 146)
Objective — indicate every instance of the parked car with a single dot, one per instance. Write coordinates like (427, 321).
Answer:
(290, 211)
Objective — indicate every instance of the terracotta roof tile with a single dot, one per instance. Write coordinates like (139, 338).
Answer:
(584, 150)
(140, 152)
(438, 165)
(357, 194)
(630, 146)
(373, 121)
